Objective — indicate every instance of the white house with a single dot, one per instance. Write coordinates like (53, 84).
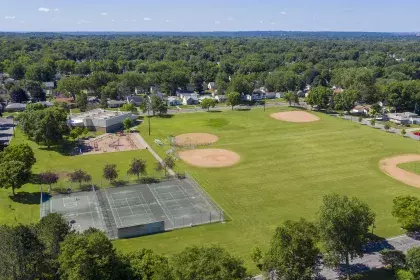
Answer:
(211, 86)
(404, 118)
(279, 94)
(361, 110)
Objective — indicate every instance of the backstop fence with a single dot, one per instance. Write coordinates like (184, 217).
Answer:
(44, 205)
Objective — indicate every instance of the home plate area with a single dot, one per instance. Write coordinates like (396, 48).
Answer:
(139, 209)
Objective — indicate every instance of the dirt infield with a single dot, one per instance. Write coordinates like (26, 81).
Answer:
(210, 157)
(295, 116)
(389, 166)
(195, 139)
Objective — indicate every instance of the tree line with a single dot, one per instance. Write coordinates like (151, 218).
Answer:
(384, 70)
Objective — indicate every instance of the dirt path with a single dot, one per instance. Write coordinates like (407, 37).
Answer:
(389, 166)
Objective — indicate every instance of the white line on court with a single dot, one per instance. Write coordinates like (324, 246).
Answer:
(152, 191)
(91, 216)
(147, 210)
(113, 210)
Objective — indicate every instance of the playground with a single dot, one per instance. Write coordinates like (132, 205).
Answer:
(112, 142)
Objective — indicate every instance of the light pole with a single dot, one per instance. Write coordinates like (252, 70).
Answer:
(149, 104)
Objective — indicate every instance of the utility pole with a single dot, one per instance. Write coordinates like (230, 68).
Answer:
(149, 104)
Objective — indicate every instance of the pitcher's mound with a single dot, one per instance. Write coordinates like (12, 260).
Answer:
(210, 157)
(295, 116)
(389, 166)
(195, 139)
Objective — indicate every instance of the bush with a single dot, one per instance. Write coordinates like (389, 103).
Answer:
(403, 274)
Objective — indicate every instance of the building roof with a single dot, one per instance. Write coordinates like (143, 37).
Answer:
(115, 102)
(99, 114)
(135, 98)
(49, 84)
(402, 116)
(16, 106)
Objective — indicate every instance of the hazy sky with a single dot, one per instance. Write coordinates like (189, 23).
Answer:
(215, 15)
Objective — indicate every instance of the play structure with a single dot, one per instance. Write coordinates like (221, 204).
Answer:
(112, 142)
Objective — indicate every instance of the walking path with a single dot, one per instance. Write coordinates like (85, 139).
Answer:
(371, 259)
(157, 157)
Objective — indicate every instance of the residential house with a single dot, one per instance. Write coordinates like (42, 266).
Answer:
(15, 107)
(220, 98)
(279, 94)
(60, 98)
(404, 118)
(253, 97)
(93, 100)
(173, 101)
(115, 103)
(361, 110)
(301, 94)
(136, 100)
(49, 87)
(211, 86)
(190, 99)
(183, 93)
(270, 95)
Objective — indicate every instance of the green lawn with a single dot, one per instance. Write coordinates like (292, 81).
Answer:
(284, 172)
(28, 211)
(411, 166)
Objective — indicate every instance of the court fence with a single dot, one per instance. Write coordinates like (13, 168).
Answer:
(105, 213)
(207, 197)
(195, 220)
(44, 205)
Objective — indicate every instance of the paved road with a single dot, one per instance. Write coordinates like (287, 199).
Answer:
(371, 258)
(409, 132)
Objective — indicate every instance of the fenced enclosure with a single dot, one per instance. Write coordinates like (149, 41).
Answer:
(137, 209)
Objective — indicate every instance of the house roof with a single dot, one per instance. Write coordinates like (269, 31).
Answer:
(135, 98)
(117, 102)
(16, 106)
(211, 84)
(49, 84)
(64, 99)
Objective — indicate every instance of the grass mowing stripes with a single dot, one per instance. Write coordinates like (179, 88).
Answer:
(285, 170)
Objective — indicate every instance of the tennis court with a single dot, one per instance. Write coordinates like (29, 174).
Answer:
(80, 209)
(138, 209)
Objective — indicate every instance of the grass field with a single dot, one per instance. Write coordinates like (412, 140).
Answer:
(284, 172)
(411, 166)
(25, 208)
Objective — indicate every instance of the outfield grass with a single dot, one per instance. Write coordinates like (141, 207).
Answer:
(26, 209)
(284, 172)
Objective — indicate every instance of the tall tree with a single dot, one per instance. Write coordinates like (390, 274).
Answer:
(158, 105)
(51, 231)
(208, 263)
(80, 176)
(18, 95)
(206, 103)
(20, 152)
(87, 256)
(21, 253)
(137, 167)
(48, 178)
(233, 99)
(345, 100)
(145, 264)
(35, 90)
(127, 123)
(13, 174)
(343, 223)
(407, 211)
(320, 97)
(293, 252)
(71, 85)
(110, 172)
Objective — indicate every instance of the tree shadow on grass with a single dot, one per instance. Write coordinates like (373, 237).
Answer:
(26, 197)
(214, 111)
(65, 148)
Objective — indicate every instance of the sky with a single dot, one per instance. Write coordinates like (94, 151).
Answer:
(215, 15)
